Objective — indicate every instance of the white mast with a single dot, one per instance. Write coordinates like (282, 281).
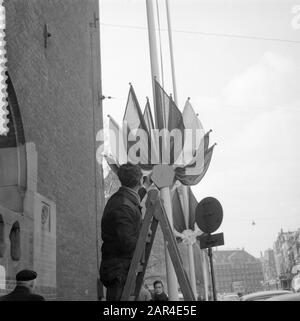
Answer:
(185, 195)
(171, 53)
(153, 51)
(165, 191)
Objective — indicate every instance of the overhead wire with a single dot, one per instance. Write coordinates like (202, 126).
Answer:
(261, 218)
(211, 34)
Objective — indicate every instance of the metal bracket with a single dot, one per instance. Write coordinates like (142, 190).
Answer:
(47, 35)
(94, 23)
(102, 97)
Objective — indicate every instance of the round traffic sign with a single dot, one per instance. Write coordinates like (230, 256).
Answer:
(209, 215)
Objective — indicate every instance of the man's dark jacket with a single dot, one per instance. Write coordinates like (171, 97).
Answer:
(120, 227)
(21, 293)
(160, 297)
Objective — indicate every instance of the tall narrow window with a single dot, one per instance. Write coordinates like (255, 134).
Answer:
(2, 240)
(13, 157)
(2, 277)
(15, 242)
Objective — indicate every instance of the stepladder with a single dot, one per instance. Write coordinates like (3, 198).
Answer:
(155, 214)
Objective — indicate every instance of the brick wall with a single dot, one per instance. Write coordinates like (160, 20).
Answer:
(57, 90)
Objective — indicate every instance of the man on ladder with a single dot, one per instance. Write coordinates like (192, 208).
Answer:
(120, 228)
(127, 241)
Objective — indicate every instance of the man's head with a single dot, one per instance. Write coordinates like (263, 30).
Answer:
(158, 287)
(130, 176)
(27, 279)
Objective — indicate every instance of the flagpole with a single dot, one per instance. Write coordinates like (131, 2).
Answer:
(153, 52)
(185, 204)
(165, 191)
(171, 52)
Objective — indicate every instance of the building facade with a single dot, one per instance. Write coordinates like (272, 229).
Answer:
(269, 270)
(287, 256)
(237, 270)
(51, 186)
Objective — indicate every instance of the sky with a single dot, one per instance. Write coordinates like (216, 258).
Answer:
(239, 61)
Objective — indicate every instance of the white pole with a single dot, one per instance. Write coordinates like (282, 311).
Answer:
(205, 273)
(153, 51)
(192, 269)
(171, 52)
(171, 275)
(184, 188)
(165, 191)
(192, 274)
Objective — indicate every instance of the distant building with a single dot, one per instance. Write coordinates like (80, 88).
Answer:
(237, 270)
(269, 270)
(287, 256)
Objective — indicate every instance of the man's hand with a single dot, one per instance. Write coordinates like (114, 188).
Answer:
(147, 182)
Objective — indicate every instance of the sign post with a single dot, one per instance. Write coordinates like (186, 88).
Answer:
(212, 272)
(209, 216)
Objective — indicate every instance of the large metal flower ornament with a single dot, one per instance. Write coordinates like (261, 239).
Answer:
(176, 139)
